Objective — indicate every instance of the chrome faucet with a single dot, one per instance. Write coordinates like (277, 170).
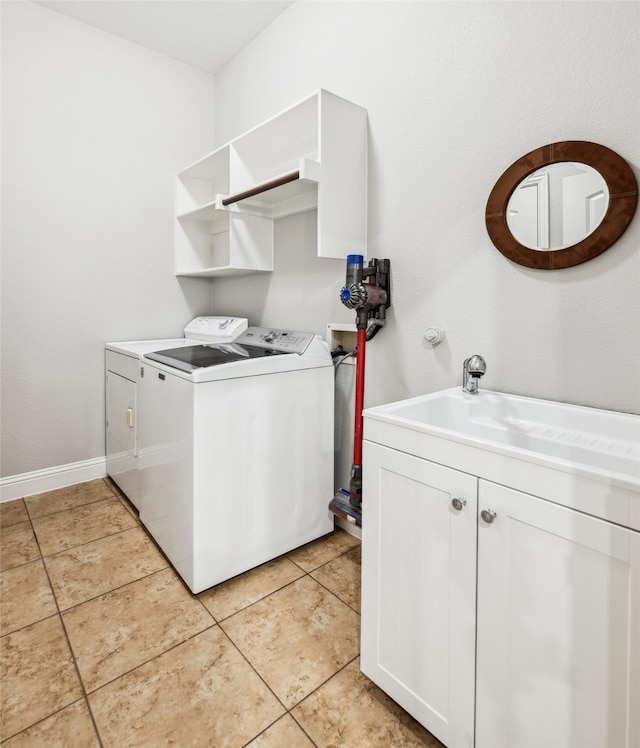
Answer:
(474, 367)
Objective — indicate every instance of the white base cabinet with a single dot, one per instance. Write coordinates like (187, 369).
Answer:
(558, 652)
(546, 654)
(419, 589)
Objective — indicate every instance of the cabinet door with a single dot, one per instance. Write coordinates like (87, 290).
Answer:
(121, 411)
(558, 626)
(121, 443)
(419, 589)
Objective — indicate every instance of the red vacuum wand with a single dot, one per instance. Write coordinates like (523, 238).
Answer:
(367, 292)
(360, 353)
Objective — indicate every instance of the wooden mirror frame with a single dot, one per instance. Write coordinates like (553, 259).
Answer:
(623, 199)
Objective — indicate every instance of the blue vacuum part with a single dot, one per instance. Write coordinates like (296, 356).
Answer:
(341, 507)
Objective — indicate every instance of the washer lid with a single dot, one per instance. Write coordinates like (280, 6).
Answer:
(203, 356)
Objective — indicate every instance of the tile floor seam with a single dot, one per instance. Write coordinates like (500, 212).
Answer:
(287, 709)
(298, 565)
(324, 563)
(112, 589)
(324, 682)
(246, 659)
(83, 698)
(33, 530)
(26, 522)
(268, 594)
(173, 646)
(146, 662)
(26, 626)
(275, 722)
(335, 594)
(315, 690)
(95, 540)
(237, 646)
(79, 545)
(73, 656)
(6, 503)
(58, 615)
(67, 508)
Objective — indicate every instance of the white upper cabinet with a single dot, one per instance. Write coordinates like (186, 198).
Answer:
(313, 155)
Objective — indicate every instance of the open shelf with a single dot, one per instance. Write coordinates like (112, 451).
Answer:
(229, 245)
(313, 155)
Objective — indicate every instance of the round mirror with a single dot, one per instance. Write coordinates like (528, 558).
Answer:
(557, 206)
(561, 205)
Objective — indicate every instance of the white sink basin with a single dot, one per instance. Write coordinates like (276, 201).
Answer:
(599, 443)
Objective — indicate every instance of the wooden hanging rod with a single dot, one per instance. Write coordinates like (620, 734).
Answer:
(264, 187)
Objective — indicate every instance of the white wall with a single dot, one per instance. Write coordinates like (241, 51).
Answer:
(456, 91)
(93, 130)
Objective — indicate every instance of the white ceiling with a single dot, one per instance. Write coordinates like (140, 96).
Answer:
(202, 33)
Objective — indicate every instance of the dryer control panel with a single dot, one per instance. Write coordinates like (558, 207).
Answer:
(214, 330)
(287, 341)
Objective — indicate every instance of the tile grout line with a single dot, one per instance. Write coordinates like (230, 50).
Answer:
(86, 692)
(315, 690)
(83, 690)
(242, 654)
(114, 589)
(59, 614)
(73, 655)
(53, 714)
(216, 622)
(151, 659)
(154, 657)
(337, 596)
(67, 508)
(288, 711)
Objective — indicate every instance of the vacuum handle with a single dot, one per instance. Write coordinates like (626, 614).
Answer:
(355, 263)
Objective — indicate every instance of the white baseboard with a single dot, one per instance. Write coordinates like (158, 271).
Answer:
(39, 481)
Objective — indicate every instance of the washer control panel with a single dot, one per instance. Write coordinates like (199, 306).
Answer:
(215, 329)
(287, 341)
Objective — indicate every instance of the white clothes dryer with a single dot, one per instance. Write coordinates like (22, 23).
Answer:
(122, 373)
(236, 451)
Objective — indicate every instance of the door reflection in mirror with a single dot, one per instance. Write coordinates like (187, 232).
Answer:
(557, 206)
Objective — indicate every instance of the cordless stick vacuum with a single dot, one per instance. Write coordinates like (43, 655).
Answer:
(367, 292)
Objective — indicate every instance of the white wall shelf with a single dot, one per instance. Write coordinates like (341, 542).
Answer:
(313, 155)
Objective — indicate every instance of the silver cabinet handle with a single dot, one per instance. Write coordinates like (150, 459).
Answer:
(458, 504)
(488, 515)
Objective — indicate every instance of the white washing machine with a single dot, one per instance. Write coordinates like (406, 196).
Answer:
(122, 374)
(236, 451)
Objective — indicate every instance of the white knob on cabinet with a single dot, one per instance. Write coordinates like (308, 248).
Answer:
(434, 335)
